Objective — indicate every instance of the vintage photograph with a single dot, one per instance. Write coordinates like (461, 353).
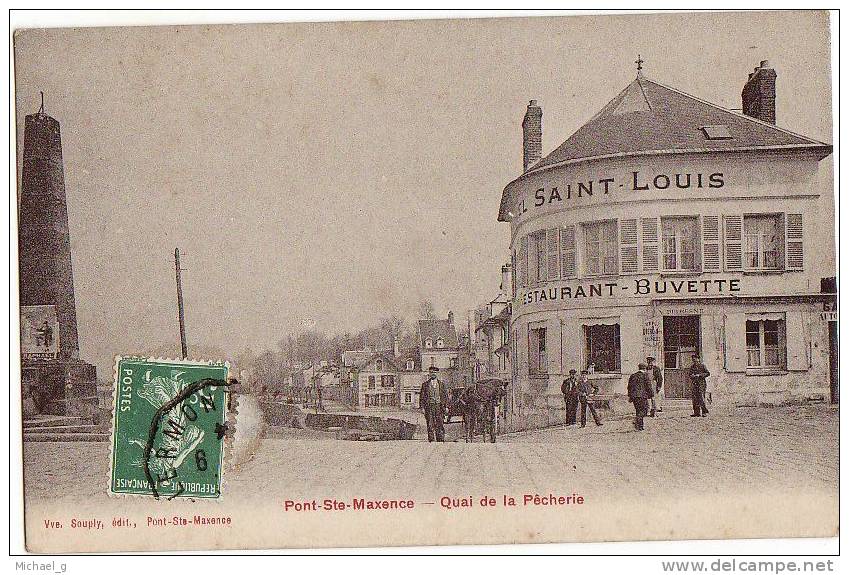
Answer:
(458, 281)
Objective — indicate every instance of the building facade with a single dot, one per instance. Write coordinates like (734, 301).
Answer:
(668, 226)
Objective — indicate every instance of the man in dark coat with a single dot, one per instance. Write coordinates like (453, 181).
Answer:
(585, 389)
(656, 379)
(640, 390)
(433, 400)
(698, 377)
(569, 389)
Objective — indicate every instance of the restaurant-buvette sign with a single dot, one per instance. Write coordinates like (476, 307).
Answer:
(636, 287)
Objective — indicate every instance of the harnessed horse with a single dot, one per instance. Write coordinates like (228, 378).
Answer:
(479, 403)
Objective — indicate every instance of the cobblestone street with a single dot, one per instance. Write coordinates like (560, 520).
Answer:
(786, 448)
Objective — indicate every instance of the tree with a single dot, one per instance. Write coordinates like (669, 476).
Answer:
(426, 310)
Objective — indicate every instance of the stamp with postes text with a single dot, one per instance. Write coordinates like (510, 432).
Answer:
(169, 428)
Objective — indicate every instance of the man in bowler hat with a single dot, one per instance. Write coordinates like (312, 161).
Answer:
(569, 389)
(698, 377)
(433, 399)
(640, 390)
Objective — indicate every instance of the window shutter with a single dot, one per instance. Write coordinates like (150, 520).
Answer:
(628, 246)
(733, 243)
(735, 342)
(650, 244)
(567, 253)
(553, 239)
(797, 348)
(536, 249)
(710, 244)
(794, 259)
(523, 262)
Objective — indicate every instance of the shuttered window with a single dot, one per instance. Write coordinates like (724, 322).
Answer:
(650, 244)
(763, 242)
(567, 251)
(710, 244)
(794, 259)
(679, 244)
(523, 262)
(553, 253)
(600, 248)
(628, 245)
(733, 242)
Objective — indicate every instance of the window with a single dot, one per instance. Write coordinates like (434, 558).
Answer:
(440, 342)
(766, 345)
(537, 359)
(453, 362)
(371, 382)
(717, 132)
(411, 365)
(600, 248)
(602, 348)
(680, 240)
(379, 365)
(408, 398)
(432, 361)
(387, 381)
(428, 342)
(763, 242)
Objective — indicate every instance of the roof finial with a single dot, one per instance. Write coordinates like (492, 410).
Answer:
(639, 62)
(41, 109)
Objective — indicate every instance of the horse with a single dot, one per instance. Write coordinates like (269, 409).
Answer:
(479, 404)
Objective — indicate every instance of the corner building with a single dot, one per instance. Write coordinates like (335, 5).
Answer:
(668, 226)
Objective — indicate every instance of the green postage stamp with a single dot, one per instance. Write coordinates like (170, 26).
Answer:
(169, 428)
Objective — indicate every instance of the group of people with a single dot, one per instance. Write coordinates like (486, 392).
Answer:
(576, 392)
(644, 391)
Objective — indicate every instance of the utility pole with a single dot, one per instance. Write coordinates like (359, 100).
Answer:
(180, 313)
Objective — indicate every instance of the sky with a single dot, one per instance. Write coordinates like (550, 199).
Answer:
(328, 174)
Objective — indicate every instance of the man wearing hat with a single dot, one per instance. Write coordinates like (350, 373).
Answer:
(640, 390)
(569, 389)
(433, 399)
(585, 389)
(698, 377)
(656, 379)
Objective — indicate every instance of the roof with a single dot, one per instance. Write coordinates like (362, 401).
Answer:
(649, 118)
(436, 328)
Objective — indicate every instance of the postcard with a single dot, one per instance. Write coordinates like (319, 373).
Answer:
(427, 282)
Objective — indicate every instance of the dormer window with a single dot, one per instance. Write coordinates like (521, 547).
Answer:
(428, 342)
(440, 342)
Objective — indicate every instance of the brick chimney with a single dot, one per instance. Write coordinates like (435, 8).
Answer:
(759, 93)
(532, 135)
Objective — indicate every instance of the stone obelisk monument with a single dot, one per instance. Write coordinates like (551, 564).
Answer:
(52, 370)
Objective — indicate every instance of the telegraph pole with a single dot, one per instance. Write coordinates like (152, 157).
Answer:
(180, 313)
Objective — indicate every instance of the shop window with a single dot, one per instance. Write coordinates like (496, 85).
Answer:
(763, 242)
(766, 343)
(680, 243)
(537, 359)
(602, 348)
(371, 381)
(600, 248)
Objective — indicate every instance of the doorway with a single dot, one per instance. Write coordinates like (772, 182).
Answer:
(680, 341)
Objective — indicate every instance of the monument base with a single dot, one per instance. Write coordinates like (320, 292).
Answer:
(59, 387)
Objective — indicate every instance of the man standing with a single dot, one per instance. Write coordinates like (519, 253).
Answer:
(433, 399)
(656, 379)
(585, 388)
(569, 389)
(639, 392)
(698, 377)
